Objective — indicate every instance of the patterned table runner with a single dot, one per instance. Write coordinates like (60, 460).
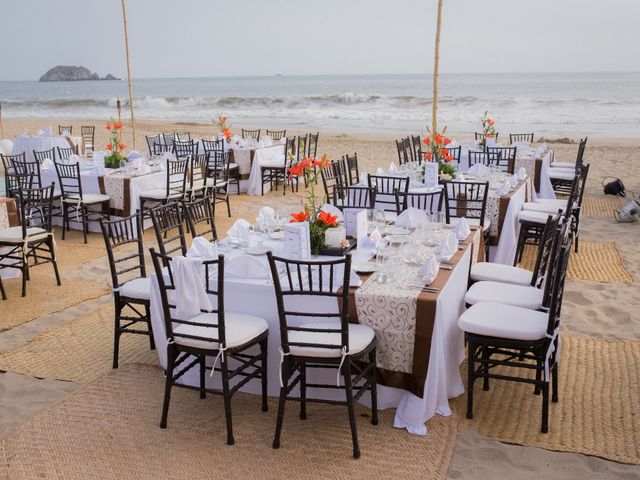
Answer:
(8, 213)
(117, 187)
(244, 159)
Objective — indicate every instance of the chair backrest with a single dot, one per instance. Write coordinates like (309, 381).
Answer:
(62, 128)
(312, 279)
(165, 219)
(182, 136)
(201, 212)
(332, 175)
(160, 148)
(506, 159)
(276, 134)
(64, 153)
(581, 148)
(163, 266)
(584, 172)
(354, 197)
(212, 145)
(387, 187)
(557, 280)
(44, 154)
(465, 199)
(168, 138)
(520, 137)
(185, 149)
(23, 166)
(69, 179)
(255, 134)
(545, 249)
(480, 136)
(125, 264)
(455, 153)
(36, 207)
(15, 182)
(404, 154)
(218, 167)
(177, 176)
(88, 133)
(152, 141)
(476, 156)
(353, 171)
(430, 202)
(301, 147)
(197, 170)
(312, 144)
(416, 142)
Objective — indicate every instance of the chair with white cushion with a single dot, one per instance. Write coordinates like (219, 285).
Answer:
(198, 184)
(131, 287)
(227, 338)
(219, 179)
(386, 189)
(174, 189)
(500, 335)
(77, 203)
(33, 239)
(215, 149)
(324, 341)
(430, 202)
(168, 225)
(561, 173)
(469, 200)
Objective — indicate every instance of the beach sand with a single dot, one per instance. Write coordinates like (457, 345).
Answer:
(591, 308)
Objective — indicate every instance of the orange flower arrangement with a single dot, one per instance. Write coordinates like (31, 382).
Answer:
(115, 145)
(435, 150)
(488, 126)
(221, 123)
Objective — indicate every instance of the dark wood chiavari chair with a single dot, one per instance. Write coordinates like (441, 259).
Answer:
(333, 175)
(429, 202)
(152, 141)
(218, 172)
(275, 174)
(404, 155)
(175, 186)
(168, 225)
(466, 199)
(520, 137)
(182, 136)
(506, 157)
(201, 212)
(480, 136)
(208, 335)
(88, 134)
(131, 287)
(481, 157)
(254, 134)
(354, 197)
(386, 188)
(329, 341)
(198, 184)
(352, 169)
(234, 169)
(64, 153)
(9, 170)
(276, 134)
(185, 149)
(312, 144)
(64, 128)
(562, 177)
(168, 138)
(416, 144)
(455, 153)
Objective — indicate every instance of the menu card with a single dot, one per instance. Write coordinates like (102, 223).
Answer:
(431, 174)
(362, 227)
(351, 220)
(297, 241)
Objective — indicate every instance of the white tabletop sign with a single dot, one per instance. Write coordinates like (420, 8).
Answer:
(362, 226)
(351, 220)
(297, 241)
(431, 174)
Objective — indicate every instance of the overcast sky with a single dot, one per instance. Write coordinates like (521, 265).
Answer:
(189, 38)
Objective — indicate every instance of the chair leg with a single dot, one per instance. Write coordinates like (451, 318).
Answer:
(65, 220)
(352, 415)
(281, 402)
(116, 335)
(25, 276)
(485, 369)
(227, 400)
(303, 391)
(537, 389)
(2, 292)
(554, 383)
(54, 261)
(374, 387)
(470, 378)
(152, 342)
(264, 349)
(228, 204)
(545, 408)
(203, 393)
(84, 222)
(171, 353)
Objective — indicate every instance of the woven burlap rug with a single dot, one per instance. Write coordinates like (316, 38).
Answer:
(78, 351)
(596, 261)
(598, 412)
(44, 296)
(600, 206)
(109, 430)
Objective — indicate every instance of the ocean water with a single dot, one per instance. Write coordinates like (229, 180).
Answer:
(550, 104)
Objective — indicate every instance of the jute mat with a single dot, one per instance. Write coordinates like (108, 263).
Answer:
(596, 261)
(598, 412)
(109, 429)
(44, 296)
(78, 351)
(600, 206)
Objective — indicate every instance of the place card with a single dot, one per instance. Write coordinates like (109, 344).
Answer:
(431, 174)
(362, 228)
(297, 241)
(351, 220)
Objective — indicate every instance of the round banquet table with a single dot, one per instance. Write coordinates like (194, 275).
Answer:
(29, 143)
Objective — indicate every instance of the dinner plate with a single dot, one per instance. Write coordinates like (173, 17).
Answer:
(257, 250)
(364, 267)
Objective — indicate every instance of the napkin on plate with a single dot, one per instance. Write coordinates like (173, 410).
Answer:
(393, 168)
(191, 296)
(144, 168)
(462, 229)
(333, 211)
(460, 176)
(522, 173)
(239, 230)
(411, 218)
(428, 271)
(202, 248)
(478, 170)
(47, 164)
(266, 216)
(448, 247)
(513, 180)
(133, 154)
(380, 171)
(503, 189)
(283, 141)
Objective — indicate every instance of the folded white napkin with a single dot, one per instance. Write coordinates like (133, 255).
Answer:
(143, 168)
(65, 133)
(393, 168)
(247, 266)
(47, 164)
(266, 216)
(522, 173)
(411, 218)
(462, 229)
(513, 180)
(503, 189)
(364, 179)
(428, 271)
(202, 248)
(448, 247)
(191, 296)
(460, 176)
(134, 154)
(333, 211)
(283, 141)
(479, 170)
(239, 230)
(372, 240)
(380, 171)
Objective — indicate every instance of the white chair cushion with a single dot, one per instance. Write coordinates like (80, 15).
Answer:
(498, 272)
(555, 203)
(89, 198)
(233, 166)
(533, 217)
(571, 165)
(14, 234)
(504, 293)
(239, 329)
(360, 336)
(562, 174)
(139, 288)
(544, 208)
(159, 194)
(504, 321)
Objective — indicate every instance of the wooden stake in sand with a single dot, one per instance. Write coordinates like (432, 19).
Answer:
(119, 107)
(126, 46)
(436, 65)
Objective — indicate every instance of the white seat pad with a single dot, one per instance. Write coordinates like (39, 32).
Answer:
(551, 208)
(360, 336)
(159, 194)
(89, 198)
(139, 288)
(504, 321)
(534, 217)
(498, 272)
(562, 174)
(14, 234)
(239, 329)
(504, 293)
(564, 165)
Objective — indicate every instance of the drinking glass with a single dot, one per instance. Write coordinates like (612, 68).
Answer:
(437, 220)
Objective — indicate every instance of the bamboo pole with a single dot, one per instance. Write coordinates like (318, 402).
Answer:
(126, 46)
(436, 67)
(1, 126)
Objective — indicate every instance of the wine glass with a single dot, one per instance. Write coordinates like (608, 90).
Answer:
(437, 220)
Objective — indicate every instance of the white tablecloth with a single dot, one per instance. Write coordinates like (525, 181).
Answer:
(505, 251)
(257, 297)
(546, 189)
(264, 157)
(29, 143)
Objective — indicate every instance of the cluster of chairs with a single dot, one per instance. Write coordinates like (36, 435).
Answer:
(88, 135)
(340, 173)
(232, 337)
(255, 134)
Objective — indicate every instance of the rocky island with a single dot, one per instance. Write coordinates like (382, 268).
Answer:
(63, 73)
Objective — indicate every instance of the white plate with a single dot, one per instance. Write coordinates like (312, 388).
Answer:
(448, 226)
(393, 230)
(257, 250)
(276, 235)
(364, 267)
